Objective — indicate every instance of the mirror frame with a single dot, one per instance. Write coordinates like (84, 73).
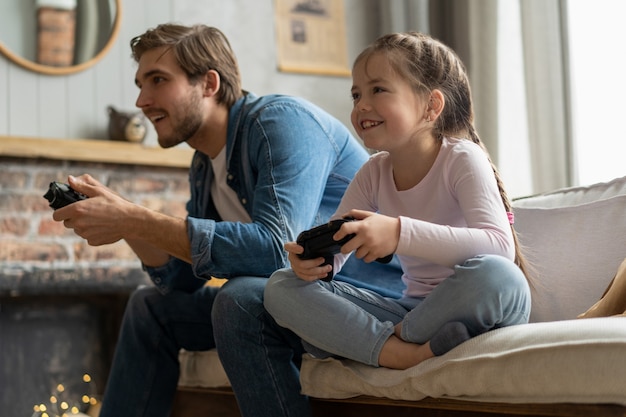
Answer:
(50, 70)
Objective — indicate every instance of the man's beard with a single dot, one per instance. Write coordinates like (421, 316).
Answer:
(186, 128)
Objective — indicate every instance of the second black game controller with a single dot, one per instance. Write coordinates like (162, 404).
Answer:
(318, 242)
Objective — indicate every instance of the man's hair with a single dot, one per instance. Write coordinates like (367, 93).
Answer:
(197, 49)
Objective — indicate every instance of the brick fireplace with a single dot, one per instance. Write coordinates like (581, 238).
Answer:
(61, 300)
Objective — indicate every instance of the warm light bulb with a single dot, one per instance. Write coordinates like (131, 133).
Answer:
(75, 410)
(93, 401)
(60, 388)
(42, 407)
(53, 399)
(36, 408)
(85, 399)
(86, 378)
(65, 405)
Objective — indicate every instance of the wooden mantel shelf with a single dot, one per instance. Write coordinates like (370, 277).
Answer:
(93, 150)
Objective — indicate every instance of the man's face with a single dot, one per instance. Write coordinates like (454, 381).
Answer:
(169, 101)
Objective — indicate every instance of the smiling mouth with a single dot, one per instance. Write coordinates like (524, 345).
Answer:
(367, 124)
(155, 118)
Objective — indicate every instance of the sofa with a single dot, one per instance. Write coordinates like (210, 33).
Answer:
(556, 365)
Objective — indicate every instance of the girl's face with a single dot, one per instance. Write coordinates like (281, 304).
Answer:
(387, 113)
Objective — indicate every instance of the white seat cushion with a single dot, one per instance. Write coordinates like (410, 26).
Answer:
(577, 361)
(201, 369)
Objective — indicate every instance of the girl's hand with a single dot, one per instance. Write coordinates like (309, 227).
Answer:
(306, 269)
(376, 235)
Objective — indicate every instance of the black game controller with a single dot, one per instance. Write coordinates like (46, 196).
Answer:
(60, 195)
(318, 242)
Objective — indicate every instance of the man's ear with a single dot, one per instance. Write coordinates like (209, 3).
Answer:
(212, 82)
(436, 103)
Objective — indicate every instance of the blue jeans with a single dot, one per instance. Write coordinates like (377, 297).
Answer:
(145, 368)
(485, 292)
(261, 358)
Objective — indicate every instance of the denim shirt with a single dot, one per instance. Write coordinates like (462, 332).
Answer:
(289, 163)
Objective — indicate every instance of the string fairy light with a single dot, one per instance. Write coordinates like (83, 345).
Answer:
(61, 405)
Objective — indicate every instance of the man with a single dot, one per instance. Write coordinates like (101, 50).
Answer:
(265, 168)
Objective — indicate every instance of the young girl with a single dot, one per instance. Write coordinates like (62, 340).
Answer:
(432, 197)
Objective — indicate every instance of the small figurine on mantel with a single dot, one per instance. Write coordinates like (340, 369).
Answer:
(126, 126)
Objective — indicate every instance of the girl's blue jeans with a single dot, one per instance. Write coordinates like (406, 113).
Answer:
(485, 292)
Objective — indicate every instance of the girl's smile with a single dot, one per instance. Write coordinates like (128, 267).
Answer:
(368, 124)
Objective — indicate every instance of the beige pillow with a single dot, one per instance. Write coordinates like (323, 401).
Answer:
(575, 240)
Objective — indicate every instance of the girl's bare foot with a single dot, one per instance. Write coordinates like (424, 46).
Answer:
(398, 354)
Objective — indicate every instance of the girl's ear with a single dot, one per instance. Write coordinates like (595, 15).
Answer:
(211, 83)
(436, 103)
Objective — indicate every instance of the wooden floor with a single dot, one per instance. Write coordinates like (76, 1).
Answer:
(220, 402)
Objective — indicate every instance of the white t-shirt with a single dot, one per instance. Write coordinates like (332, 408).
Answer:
(453, 214)
(224, 198)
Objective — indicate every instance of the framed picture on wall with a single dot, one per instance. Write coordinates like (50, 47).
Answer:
(311, 36)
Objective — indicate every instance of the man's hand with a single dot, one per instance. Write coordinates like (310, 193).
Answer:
(100, 219)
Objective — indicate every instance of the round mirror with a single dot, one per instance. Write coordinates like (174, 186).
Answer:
(58, 37)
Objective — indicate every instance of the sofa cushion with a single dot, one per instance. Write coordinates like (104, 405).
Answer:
(574, 239)
(201, 369)
(575, 361)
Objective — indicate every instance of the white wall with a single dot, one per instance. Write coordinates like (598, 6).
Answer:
(74, 106)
